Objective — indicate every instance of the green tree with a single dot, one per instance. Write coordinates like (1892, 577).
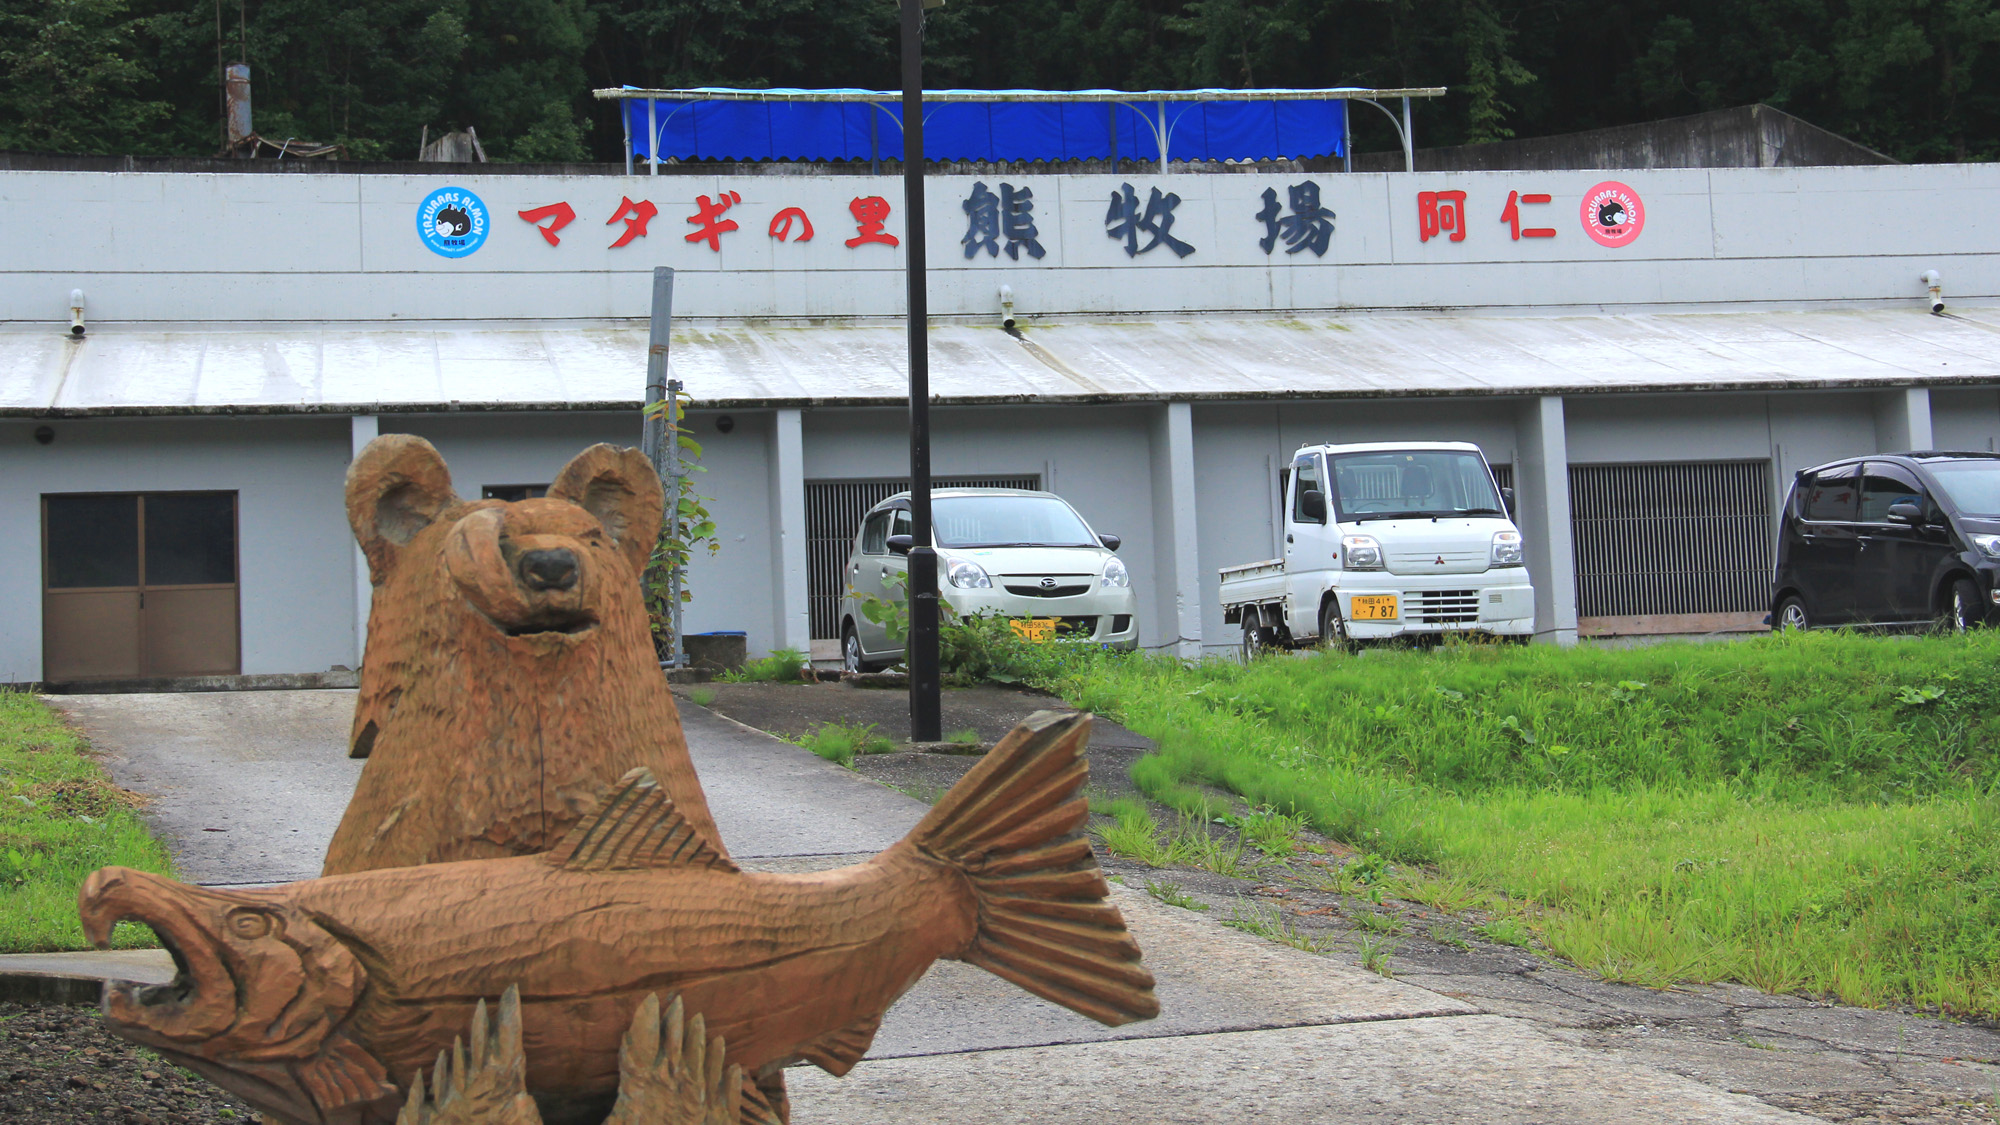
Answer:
(71, 84)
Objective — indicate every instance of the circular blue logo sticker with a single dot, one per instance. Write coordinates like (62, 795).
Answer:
(452, 221)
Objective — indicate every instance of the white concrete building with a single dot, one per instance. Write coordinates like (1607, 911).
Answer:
(172, 477)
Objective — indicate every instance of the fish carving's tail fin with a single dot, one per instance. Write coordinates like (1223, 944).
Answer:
(1014, 826)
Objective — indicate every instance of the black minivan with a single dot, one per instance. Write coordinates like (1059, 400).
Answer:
(1891, 538)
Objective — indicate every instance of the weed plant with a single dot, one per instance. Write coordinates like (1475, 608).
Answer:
(701, 696)
(1803, 812)
(840, 742)
(1269, 922)
(1173, 894)
(1375, 952)
(783, 666)
(60, 819)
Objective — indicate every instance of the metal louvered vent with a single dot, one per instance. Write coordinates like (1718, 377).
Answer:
(1671, 539)
(1503, 475)
(833, 517)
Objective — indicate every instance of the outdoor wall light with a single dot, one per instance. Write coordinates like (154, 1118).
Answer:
(724, 424)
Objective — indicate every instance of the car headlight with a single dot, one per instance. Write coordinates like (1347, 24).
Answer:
(1115, 575)
(1989, 545)
(1506, 548)
(1362, 551)
(969, 576)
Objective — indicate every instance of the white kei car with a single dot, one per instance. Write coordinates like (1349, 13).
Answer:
(1008, 552)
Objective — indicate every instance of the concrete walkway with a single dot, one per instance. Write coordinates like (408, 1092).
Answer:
(1249, 1031)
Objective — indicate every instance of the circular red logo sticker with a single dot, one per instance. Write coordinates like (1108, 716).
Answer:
(1612, 214)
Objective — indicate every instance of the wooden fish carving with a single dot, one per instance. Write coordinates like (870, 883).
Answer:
(318, 1000)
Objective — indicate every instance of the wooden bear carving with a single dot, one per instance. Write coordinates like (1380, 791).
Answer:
(509, 678)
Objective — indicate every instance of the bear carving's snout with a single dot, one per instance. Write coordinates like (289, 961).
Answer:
(549, 570)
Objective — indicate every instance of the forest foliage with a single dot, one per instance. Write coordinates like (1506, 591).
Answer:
(1917, 79)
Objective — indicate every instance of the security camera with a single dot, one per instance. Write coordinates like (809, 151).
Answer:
(1936, 287)
(76, 313)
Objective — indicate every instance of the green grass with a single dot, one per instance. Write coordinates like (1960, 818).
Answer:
(967, 737)
(840, 742)
(1173, 894)
(1816, 812)
(701, 696)
(783, 666)
(1375, 953)
(59, 821)
(1134, 834)
(1269, 922)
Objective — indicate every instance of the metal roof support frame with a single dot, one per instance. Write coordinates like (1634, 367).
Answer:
(1404, 132)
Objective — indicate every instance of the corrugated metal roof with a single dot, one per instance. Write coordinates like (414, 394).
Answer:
(346, 368)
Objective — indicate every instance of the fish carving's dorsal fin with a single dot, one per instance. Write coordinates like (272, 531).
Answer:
(838, 1050)
(637, 826)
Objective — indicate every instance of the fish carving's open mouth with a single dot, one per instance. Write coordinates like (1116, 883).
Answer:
(201, 999)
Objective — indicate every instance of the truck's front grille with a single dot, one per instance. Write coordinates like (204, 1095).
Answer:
(1442, 607)
(1467, 561)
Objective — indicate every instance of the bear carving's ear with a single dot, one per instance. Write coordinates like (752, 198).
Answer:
(395, 489)
(619, 488)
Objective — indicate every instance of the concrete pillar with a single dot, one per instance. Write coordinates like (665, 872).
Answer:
(791, 612)
(1541, 492)
(362, 429)
(1176, 554)
(1903, 420)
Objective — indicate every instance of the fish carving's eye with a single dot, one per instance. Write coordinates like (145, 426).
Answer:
(249, 924)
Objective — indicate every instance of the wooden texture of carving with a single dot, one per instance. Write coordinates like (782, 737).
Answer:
(509, 678)
(302, 998)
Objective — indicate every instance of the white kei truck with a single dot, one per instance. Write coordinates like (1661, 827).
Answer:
(1388, 539)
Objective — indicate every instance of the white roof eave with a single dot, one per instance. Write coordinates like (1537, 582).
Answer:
(408, 367)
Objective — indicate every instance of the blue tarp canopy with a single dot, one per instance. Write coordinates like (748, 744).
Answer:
(1012, 125)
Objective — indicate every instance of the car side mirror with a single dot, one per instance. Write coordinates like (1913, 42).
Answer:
(901, 544)
(1313, 503)
(1110, 542)
(1507, 501)
(1905, 512)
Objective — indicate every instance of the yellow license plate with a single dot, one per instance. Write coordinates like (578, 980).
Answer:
(1372, 607)
(1034, 629)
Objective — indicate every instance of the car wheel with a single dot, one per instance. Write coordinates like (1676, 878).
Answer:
(1962, 611)
(1332, 630)
(1256, 640)
(1792, 614)
(850, 652)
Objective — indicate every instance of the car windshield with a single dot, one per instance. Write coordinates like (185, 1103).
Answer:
(1972, 486)
(1412, 483)
(1008, 521)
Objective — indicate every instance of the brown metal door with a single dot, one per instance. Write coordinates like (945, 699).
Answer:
(139, 585)
(187, 596)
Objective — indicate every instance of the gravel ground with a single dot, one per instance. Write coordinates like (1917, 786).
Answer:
(61, 1067)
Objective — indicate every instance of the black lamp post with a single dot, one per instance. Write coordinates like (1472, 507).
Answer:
(926, 722)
